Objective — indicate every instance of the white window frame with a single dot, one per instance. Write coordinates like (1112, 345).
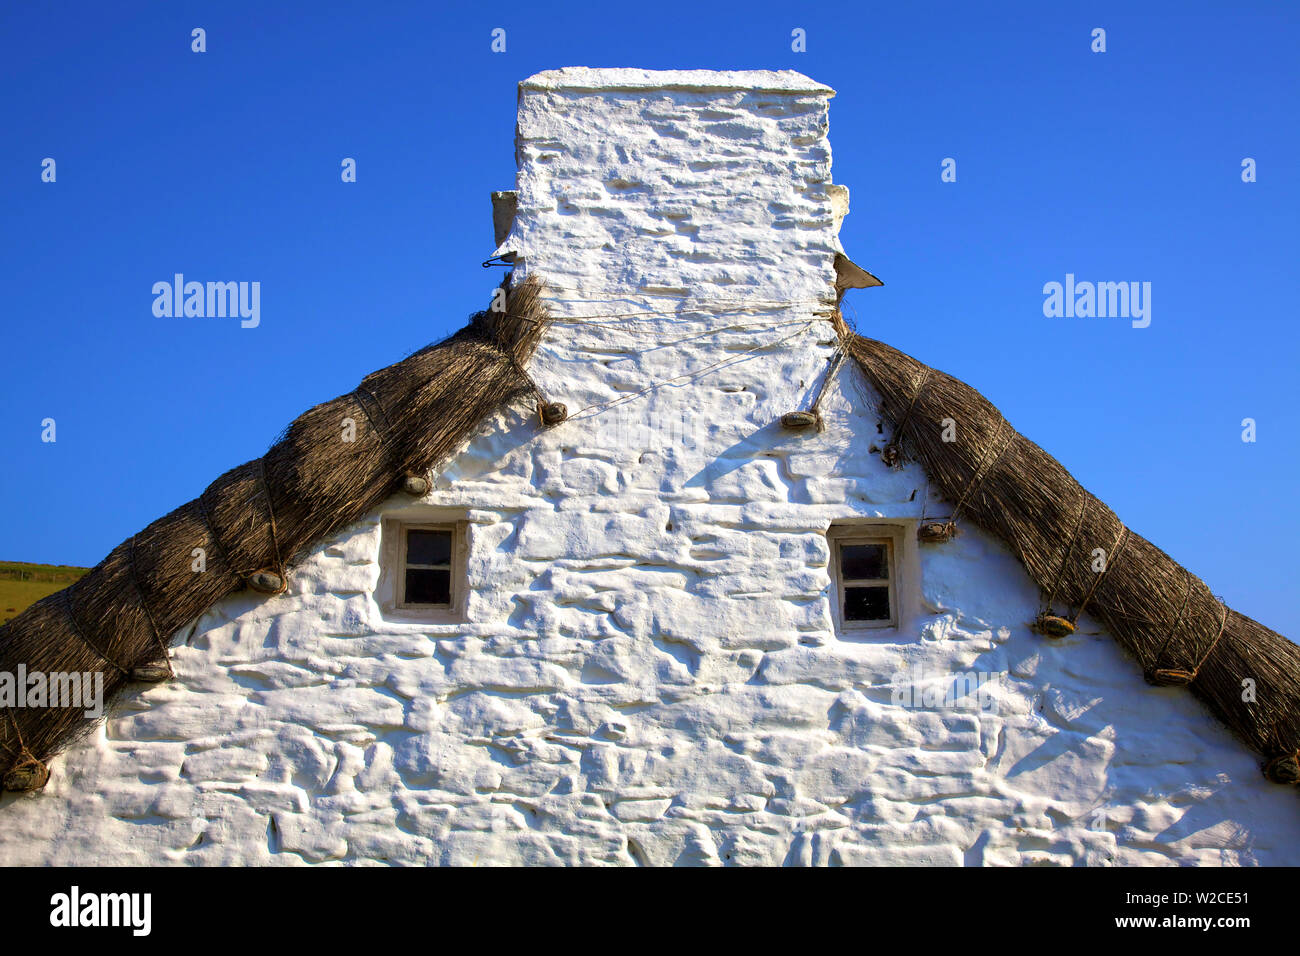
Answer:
(393, 567)
(893, 537)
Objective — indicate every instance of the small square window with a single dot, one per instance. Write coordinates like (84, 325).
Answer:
(423, 570)
(865, 576)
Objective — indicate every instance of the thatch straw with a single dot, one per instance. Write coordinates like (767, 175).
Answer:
(258, 518)
(1164, 615)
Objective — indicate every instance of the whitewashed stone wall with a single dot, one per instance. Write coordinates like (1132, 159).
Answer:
(650, 673)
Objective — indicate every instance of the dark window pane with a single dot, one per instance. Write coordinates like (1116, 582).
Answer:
(428, 547)
(428, 587)
(863, 561)
(866, 604)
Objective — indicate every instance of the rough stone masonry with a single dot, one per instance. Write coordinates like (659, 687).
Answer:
(648, 670)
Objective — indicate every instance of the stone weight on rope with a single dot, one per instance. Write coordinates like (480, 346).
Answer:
(1053, 626)
(552, 413)
(154, 673)
(266, 582)
(415, 485)
(935, 531)
(27, 776)
(801, 420)
(1169, 677)
(1284, 769)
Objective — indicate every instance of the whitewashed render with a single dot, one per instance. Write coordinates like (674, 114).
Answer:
(650, 673)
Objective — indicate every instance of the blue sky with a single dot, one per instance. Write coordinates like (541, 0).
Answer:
(1115, 166)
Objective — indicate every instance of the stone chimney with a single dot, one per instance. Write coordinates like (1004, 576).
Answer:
(680, 218)
(687, 184)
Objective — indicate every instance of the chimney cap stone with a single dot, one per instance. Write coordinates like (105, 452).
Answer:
(626, 79)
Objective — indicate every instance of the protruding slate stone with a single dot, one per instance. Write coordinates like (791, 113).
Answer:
(850, 275)
(504, 206)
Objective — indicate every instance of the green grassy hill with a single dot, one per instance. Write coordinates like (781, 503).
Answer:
(24, 584)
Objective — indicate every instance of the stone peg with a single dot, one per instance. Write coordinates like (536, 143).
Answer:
(266, 582)
(801, 420)
(26, 776)
(935, 531)
(552, 413)
(154, 673)
(1053, 626)
(415, 485)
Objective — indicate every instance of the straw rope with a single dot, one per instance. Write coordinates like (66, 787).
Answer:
(1116, 550)
(1065, 560)
(66, 605)
(270, 511)
(144, 606)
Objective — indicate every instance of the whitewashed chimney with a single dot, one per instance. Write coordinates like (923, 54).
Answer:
(687, 185)
(680, 219)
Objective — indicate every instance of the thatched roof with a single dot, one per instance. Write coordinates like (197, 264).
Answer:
(1165, 616)
(255, 519)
